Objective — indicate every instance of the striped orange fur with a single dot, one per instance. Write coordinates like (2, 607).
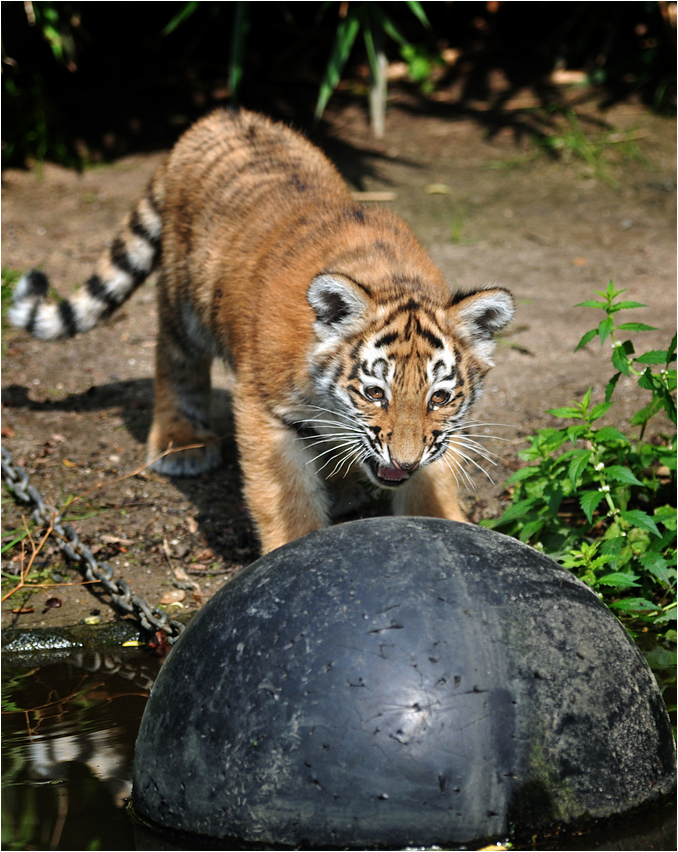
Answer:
(353, 358)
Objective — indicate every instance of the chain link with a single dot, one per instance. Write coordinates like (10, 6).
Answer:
(122, 598)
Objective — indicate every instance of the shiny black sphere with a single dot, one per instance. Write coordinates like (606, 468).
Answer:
(400, 682)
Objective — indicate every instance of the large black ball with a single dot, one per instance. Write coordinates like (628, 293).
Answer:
(400, 682)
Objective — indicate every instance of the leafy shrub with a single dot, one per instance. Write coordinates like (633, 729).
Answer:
(604, 504)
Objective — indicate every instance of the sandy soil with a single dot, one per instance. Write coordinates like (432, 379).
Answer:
(76, 413)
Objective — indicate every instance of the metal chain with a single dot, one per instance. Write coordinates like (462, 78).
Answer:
(151, 619)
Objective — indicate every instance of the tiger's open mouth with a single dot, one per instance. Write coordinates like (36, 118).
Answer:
(388, 476)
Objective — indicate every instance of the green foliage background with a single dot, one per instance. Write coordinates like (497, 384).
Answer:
(86, 81)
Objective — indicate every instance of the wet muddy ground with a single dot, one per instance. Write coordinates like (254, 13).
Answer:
(491, 210)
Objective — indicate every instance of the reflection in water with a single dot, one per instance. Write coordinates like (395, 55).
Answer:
(67, 746)
(68, 738)
(102, 752)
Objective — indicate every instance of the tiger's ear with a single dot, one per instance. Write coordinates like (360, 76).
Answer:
(480, 315)
(336, 302)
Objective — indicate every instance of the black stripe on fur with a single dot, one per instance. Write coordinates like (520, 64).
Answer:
(67, 316)
(37, 282)
(30, 325)
(121, 259)
(97, 289)
(137, 227)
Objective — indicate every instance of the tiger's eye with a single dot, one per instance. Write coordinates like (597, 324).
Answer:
(374, 392)
(440, 397)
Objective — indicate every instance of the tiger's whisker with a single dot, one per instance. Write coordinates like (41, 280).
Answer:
(352, 447)
(472, 461)
(323, 439)
(485, 454)
(454, 467)
(348, 455)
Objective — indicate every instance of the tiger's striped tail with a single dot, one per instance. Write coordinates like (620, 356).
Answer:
(131, 258)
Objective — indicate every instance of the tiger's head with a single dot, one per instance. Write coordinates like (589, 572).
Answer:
(396, 372)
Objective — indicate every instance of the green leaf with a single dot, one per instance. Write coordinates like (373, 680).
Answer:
(577, 465)
(655, 564)
(550, 440)
(522, 474)
(620, 360)
(589, 502)
(610, 292)
(636, 326)
(531, 529)
(179, 18)
(634, 605)
(372, 58)
(669, 407)
(622, 474)
(648, 380)
(638, 518)
(661, 658)
(599, 411)
(618, 580)
(518, 510)
(591, 303)
(666, 515)
(610, 433)
(610, 386)
(613, 546)
(625, 306)
(241, 28)
(654, 356)
(341, 50)
(418, 10)
(574, 433)
(605, 329)
(22, 535)
(587, 338)
(666, 454)
(644, 414)
(564, 412)
(669, 615)
(553, 493)
(387, 25)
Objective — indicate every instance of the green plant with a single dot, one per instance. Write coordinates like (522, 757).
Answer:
(34, 133)
(240, 31)
(374, 23)
(604, 504)
(9, 279)
(55, 21)
(354, 17)
(570, 141)
(421, 66)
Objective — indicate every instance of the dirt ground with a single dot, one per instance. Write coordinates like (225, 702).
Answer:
(76, 413)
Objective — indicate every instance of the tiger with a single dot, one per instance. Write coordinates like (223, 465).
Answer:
(354, 361)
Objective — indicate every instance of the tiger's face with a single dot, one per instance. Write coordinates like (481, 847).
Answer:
(397, 377)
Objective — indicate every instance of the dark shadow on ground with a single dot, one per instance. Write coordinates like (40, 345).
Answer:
(216, 496)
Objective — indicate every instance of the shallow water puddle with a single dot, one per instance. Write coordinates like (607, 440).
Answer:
(68, 733)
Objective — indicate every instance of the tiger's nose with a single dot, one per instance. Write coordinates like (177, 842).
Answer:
(402, 465)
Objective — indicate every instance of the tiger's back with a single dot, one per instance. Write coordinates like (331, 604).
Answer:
(258, 213)
(352, 356)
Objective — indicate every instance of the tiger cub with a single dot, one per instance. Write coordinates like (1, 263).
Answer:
(352, 357)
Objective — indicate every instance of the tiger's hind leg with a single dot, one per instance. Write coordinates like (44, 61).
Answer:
(181, 418)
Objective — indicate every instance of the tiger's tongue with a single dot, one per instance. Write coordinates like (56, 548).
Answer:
(392, 474)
